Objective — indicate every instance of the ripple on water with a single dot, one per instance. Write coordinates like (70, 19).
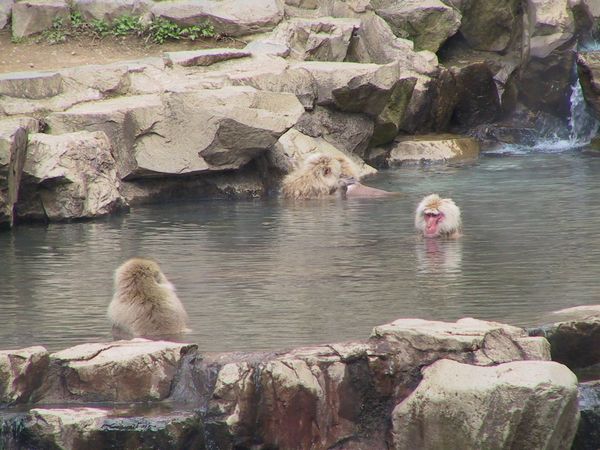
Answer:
(268, 274)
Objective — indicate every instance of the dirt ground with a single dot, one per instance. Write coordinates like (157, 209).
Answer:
(35, 54)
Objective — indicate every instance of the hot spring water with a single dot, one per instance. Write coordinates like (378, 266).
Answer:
(268, 274)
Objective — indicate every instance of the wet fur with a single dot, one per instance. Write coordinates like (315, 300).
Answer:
(144, 302)
(318, 177)
(451, 225)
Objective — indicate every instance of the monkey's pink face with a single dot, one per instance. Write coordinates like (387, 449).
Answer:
(433, 220)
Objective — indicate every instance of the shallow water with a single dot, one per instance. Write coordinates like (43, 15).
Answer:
(268, 274)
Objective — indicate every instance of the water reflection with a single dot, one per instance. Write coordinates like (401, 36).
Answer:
(270, 274)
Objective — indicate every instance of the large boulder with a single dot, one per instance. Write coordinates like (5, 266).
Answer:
(374, 42)
(322, 39)
(71, 176)
(187, 132)
(5, 12)
(574, 336)
(21, 373)
(477, 99)
(522, 404)
(229, 17)
(588, 433)
(382, 92)
(109, 10)
(490, 25)
(432, 148)
(31, 85)
(427, 23)
(549, 55)
(121, 371)
(293, 147)
(350, 132)
(90, 428)
(32, 16)
(13, 151)
(588, 68)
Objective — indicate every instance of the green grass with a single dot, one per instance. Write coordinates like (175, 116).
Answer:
(158, 31)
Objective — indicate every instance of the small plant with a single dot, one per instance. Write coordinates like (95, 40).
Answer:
(77, 21)
(100, 27)
(57, 33)
(160, 30)
(17, 39)
(126, 25)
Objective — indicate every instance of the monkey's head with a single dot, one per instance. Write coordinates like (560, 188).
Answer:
(139, 270)
(325, 168)
(438, 217)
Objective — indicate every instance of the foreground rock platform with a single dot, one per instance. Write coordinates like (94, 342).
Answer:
(410, 378)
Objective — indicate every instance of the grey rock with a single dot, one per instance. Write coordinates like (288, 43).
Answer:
(33, 16)
(350, 132)
(31, 85)
(13, 151)
(432, 148)
(120, 371)
(588, 68)
(21, 373)
(203, 57)
(71, 176)
(5, 12)
(109, 10)
(152, 136)
(522, 404)
(490, 25)
(229, 17)
(427, 23)
(323, 39)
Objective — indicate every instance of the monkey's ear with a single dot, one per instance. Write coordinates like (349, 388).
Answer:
(326, 171)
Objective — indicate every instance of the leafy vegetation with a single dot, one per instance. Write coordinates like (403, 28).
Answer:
(159, 30)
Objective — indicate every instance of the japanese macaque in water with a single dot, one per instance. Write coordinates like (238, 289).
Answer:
(319, 176)
(438, 217)
(144, 303)
(354, 188)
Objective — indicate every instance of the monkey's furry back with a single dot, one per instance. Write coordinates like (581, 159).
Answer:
(144, 302)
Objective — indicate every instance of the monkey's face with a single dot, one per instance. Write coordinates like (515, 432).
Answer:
(433, 218)
(437, 217)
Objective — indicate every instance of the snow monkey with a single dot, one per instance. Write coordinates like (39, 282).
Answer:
(319, 176)
(438, 217)
(354, 188)
(144, 303)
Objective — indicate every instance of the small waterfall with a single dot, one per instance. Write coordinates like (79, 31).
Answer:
(582, 125)
(581, 128)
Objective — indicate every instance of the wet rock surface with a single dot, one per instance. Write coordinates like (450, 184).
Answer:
(312, 397)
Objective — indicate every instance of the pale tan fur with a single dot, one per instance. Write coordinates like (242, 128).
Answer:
(450, 226)
(319, 176)
(355, 189)
(144, 302)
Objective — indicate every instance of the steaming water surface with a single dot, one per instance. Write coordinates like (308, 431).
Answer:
(267, 274)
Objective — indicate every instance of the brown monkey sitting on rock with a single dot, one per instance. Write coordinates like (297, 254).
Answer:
(144, 303)
(438, 217)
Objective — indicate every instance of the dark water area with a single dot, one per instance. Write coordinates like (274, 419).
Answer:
(268, 274)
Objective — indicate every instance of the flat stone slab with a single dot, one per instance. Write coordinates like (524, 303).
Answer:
(34, 85)
(203, 57)
(433, 148)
